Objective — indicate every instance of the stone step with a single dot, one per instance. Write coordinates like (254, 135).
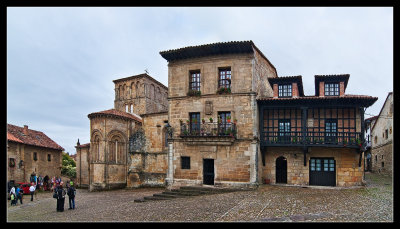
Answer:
(207, 189)
(182, 193)
(168, 195)
(186, 191)
(155, 198)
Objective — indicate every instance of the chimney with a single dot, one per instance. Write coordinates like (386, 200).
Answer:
(25, 130)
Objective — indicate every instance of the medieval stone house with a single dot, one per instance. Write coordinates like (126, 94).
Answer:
(382, 139)
(31, 151)
(225, 119)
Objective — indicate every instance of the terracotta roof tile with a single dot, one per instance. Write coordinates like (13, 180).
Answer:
(218, 48)
(360, 99)
(11, 137)
(35, 138)
(117, 113)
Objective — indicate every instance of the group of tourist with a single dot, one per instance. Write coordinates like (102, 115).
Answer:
(16, 194)
(60, 192)
(55, 184)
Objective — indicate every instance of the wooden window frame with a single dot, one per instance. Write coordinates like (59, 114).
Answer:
(332, 89)
(285, 90)
(194, 80)
(224, 77)
(194, 127)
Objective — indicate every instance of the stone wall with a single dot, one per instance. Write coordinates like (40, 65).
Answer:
(148, 166)
(235, 161)
(109, 164)
(154, 126)
(382, 158)
(41, 166)
(382, 138)
(347, 171)
(82, 166)
(140, 95)
(263, 70)
(231, 163)
(14, 151)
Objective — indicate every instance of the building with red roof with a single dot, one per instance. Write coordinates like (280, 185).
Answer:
(31, 152)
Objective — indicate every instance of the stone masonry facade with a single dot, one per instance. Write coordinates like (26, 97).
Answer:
(207, 127)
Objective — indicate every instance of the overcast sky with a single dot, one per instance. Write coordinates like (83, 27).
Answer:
(61, 60)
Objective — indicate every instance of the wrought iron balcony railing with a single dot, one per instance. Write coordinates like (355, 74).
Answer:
(312, 138)
(208, 129)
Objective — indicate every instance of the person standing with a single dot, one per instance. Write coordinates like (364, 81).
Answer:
(32, 190)
(12, 190)
(17, 192)
(13, 201)
(71, 196)
(21, 194)
(60, 197)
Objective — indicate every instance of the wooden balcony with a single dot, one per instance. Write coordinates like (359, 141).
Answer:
(312, 138)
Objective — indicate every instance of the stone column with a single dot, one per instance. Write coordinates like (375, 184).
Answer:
(253, 162)
(170, 174)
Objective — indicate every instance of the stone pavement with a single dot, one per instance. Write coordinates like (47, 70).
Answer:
(268, 203)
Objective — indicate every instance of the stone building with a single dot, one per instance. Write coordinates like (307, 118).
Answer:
(313, 140)
(382, 139)
(369, 123)
(219, 81)
(225, 119)
(30, 151)
(121, 153)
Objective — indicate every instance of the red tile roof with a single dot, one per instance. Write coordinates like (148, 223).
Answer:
(117, 113)
(11, 137)
(322, 98)
(362, 99)
(33, 137)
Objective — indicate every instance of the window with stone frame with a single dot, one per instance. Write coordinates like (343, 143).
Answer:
(194, 80)
(224, 79)
(331, 89)
(48, 157)
(284, 90)
(35, 157)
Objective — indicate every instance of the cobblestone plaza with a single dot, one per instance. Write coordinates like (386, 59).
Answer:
(268, 203)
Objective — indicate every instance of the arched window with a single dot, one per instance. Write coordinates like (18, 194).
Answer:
(96, 149)
(133, 90)
(116, 149)
(126, 108)
(131, 108)
(137, 90)
(152, 92)
(165, 137)
(120, 92)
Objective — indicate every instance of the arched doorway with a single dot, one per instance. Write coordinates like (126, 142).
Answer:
(281, 170)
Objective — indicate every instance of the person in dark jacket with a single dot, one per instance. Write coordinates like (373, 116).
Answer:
(71, 196)
(60, 197)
